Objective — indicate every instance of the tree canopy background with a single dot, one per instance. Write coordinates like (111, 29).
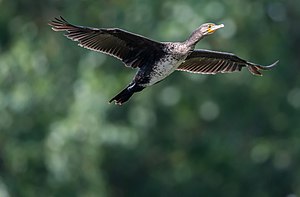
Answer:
(191, 135)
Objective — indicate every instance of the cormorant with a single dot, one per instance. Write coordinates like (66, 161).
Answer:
(155, 60)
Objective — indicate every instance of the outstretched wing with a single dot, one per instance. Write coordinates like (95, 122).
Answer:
(134, 50)
(213, 62)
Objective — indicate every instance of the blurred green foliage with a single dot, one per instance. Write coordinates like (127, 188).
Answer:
(191, 135)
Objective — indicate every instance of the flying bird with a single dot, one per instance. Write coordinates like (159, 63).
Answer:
(155, 60)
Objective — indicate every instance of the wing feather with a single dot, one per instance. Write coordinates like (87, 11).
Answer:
(213, 62)
(116, 42)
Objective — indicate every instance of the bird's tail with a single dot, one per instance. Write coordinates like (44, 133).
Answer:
(126, 93)
(255, 68)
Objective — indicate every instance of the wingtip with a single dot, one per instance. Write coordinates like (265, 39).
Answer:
(57, 20)
(271, 65)
(62, 19)
(58, 24)
(255, 69)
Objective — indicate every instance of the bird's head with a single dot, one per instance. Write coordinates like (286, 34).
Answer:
(202, 31)
(209, 28)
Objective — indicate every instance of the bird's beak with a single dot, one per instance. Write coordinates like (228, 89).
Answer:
(214, 28)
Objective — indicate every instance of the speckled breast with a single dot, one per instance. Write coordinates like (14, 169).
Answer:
(164, 67)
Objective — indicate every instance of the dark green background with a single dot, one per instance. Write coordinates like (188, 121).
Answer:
(191, 135)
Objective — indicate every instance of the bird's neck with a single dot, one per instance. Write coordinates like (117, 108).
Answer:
(193, 39)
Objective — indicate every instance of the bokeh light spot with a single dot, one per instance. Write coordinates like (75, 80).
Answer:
(209, 110)
(277, 11)
(294, 97)
(214, 10)
(282, 160)
(170, 96)
(260, 152)
(291, 195)
(3, 188)
(229, 30)
(142, 117)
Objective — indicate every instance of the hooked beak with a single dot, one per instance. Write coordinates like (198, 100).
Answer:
(214, 28)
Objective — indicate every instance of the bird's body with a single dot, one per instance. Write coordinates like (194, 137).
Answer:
(149, 74)
(155, 60)
(170, 60)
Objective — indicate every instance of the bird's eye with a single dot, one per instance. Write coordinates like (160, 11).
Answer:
(209, 26)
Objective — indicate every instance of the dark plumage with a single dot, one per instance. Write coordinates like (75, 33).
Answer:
(155, 60)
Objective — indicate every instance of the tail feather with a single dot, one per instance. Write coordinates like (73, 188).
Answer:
(122, 97)
(126, 93)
